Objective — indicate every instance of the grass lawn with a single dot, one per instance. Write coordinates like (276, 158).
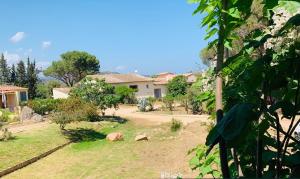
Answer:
(94, 157)
(26, 145)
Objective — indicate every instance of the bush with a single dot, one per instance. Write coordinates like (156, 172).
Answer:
(146, 104)
(168, 102)
(43, 106)
(175, 125)
(97, 92)
(74, 109)
(177, 86)
(126, 94)
(6, 135)
(4, 115)
(184, 101)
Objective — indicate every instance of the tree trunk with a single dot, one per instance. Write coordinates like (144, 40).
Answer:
(219, 88)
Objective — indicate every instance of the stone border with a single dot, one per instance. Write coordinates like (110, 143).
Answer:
(32, 160)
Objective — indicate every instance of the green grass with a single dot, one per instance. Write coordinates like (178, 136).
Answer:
(92, 156)
(29, 144)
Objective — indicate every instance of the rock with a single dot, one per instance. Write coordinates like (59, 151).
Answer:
(115, 136)
(37, 117)
(26, 113)
(141, 137)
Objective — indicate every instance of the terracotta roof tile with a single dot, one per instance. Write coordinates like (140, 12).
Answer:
(121, 78)
(10, 88)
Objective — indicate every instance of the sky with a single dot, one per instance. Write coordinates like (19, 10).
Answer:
(127, 36)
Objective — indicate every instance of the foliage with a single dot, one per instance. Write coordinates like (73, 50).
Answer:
(184, 101)
(21, 79)
(208, 166)
(13, 75)
(74, 109)
(256, 86)
(177, 86)
(4, 115)
(31, 79)
(126, 94)
(97, 92)
(6, 134)
(175, 125)
(73, 66)
(168, 101)
(4, 70)
(146, 104)
(45, 90)
(44, 106)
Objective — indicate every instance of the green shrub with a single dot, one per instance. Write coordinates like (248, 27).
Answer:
(74, 109)
(151, 101)
(43, 106)
(4, 115)
(126, 94)
(177, 86)
(168, 102)
(6, 135)
(175, 125)
(146, 104)
(184, 101)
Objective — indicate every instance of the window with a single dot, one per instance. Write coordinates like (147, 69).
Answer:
(23, 96)
(147, 86)
(135, 87)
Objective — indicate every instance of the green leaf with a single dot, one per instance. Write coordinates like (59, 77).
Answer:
(234, 12)
(235, 123)
(211, 33)
(194, 162)
(294, 159)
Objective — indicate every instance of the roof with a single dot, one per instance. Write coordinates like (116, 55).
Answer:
(11, 88)
(121, 78)
(63, 90)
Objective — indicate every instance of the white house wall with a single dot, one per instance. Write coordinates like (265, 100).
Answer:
(59, 95)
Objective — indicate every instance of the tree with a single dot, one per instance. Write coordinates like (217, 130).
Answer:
(45, 90)
(13, 75)
(4, 70)
(97, 92)
(73, 66)
(32, 79)
(126, 94)
(21, 79)
(177, 86)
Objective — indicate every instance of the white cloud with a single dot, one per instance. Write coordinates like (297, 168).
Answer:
(17, 37)
(136, 71)
(11, 58)
(46, 44)
(118, 68)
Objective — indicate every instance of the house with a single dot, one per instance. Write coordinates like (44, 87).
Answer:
(144, 86)
(61, 93)
(12, 96)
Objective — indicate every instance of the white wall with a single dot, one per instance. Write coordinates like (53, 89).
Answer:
(143, 90)
(59, 95)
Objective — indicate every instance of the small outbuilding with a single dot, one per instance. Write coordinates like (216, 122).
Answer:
(11, 97)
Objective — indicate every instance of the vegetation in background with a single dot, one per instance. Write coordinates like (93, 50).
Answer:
(126, 94)
(184, 101)
(96, 92)
(32, 79)
(45, 90)
(73, 110)
(175, 125)
(168, 101)
(73, 67)
(146, 104)
(177, 86)
(44, 106)
(4, 70)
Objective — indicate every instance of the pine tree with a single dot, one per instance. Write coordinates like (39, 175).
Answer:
(4, 71)
(13, 75)
(32, 79)
(21, 79)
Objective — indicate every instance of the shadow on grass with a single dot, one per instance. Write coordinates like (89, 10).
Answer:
(81, 134)
(117, 119)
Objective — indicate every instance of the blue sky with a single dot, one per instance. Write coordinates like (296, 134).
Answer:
(125, 35)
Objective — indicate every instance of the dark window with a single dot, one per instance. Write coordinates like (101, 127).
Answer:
(135, 87)
(147, 86)
(23, 96)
